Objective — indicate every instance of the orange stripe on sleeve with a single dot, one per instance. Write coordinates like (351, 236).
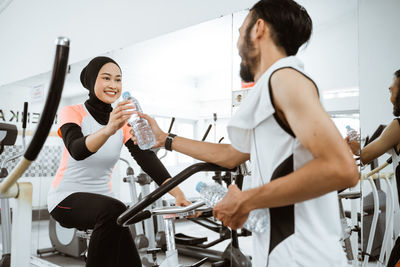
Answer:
(71, 114)
(126, 131)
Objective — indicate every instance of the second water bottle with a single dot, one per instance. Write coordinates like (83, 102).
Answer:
(143, 133)
(258, 220)
(351, 133)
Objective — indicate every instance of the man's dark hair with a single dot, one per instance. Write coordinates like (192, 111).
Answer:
(289, 23)
(396, 106)
(397, 74)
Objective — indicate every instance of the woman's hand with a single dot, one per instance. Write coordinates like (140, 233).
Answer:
(158, 133)
(119, 116)
(354, 146)
(181, 201)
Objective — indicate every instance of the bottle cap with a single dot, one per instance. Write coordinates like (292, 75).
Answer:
(126, 95)
(348, 127)
(199, 186)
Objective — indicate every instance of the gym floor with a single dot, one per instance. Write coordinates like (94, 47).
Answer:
(40, 239)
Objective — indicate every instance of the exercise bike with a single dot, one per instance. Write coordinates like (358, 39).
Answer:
(232, 256)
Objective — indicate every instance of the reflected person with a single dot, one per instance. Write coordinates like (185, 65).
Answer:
(389, 140)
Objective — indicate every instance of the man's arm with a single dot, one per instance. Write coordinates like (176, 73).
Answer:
(389, 138)
(220, 154)
(332, 168)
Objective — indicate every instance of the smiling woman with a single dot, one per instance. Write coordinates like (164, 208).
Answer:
(108, 83)
(93, 134)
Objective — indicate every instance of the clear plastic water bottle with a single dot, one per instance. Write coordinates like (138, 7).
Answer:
(143, 133)
(258, 220)
(351, 133)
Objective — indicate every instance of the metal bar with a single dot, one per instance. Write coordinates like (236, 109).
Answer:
(22, 227)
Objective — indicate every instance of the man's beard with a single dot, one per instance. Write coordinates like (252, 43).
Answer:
(396, 106)
(250, 60)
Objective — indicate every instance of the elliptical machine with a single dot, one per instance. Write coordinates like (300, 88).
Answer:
(8, 136)
(232, 256)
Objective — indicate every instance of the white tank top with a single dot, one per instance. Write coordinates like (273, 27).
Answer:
(93, 174)
(395, 187)
(306, 233)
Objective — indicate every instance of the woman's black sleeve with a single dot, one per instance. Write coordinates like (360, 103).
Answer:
(149, 162)
(75, 141)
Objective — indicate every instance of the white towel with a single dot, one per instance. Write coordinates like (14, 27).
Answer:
(256, 107)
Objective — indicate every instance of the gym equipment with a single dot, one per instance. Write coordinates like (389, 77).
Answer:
(66, 241)
(387, 243)
(9, 137)
(22, 213)
(169, 214)
(368, 207)
(232, 256)
(73, 242)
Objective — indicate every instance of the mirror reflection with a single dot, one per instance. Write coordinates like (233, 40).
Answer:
(378, 65)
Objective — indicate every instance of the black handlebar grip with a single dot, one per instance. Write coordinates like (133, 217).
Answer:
(171, 124)
(143, 215)
(24, 118)
(208, 130)
(53, 99)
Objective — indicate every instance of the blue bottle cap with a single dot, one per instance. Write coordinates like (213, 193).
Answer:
(126, 95)
(199, 186)
(347, 126)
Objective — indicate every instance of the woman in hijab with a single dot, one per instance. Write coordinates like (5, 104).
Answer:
(93, 134)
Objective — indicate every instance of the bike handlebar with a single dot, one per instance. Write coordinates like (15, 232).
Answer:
(125, 218)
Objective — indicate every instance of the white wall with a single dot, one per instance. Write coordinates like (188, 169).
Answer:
(379, 41)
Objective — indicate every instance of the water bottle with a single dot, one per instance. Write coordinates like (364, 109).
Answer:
(143, 133)
(258, 220)
(351, 133)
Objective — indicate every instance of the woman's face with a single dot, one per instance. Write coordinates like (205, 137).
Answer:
(394, 90)
(108, 84)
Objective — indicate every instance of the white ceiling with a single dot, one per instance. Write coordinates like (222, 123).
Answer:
(28, 28)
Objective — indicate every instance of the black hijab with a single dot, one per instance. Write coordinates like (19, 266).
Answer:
(97, 108)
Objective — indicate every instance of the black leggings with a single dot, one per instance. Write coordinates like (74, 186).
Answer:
(110, 245)
(395, 254)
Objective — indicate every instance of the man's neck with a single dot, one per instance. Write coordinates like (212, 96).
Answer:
(268, 57)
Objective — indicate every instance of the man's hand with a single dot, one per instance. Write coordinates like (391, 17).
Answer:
(229, 210)
(158, 133)
(354, 146)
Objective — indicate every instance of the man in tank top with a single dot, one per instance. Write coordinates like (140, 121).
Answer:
(298, 157)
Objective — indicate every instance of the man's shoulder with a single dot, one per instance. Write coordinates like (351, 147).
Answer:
(290, 77)
(291, 82)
